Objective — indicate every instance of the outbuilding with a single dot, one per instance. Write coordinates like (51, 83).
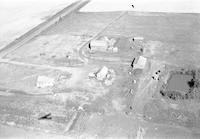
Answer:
(98, 45)
(139, 62)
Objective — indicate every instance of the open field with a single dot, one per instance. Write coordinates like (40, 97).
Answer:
(169, 6)
(18, 17)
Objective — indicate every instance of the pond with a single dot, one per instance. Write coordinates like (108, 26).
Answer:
(179, 82)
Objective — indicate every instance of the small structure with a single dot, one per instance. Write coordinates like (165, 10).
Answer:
(115, 50)
(102, 73)
(45, 117)
(139, 63)
(44, 81)
(91, 75)
(138, 38)
(138, 42)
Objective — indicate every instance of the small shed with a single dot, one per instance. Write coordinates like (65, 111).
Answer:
(140, 62)
(101, 74)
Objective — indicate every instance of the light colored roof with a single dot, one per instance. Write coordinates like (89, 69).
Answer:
(140, 63)
(102, 73)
